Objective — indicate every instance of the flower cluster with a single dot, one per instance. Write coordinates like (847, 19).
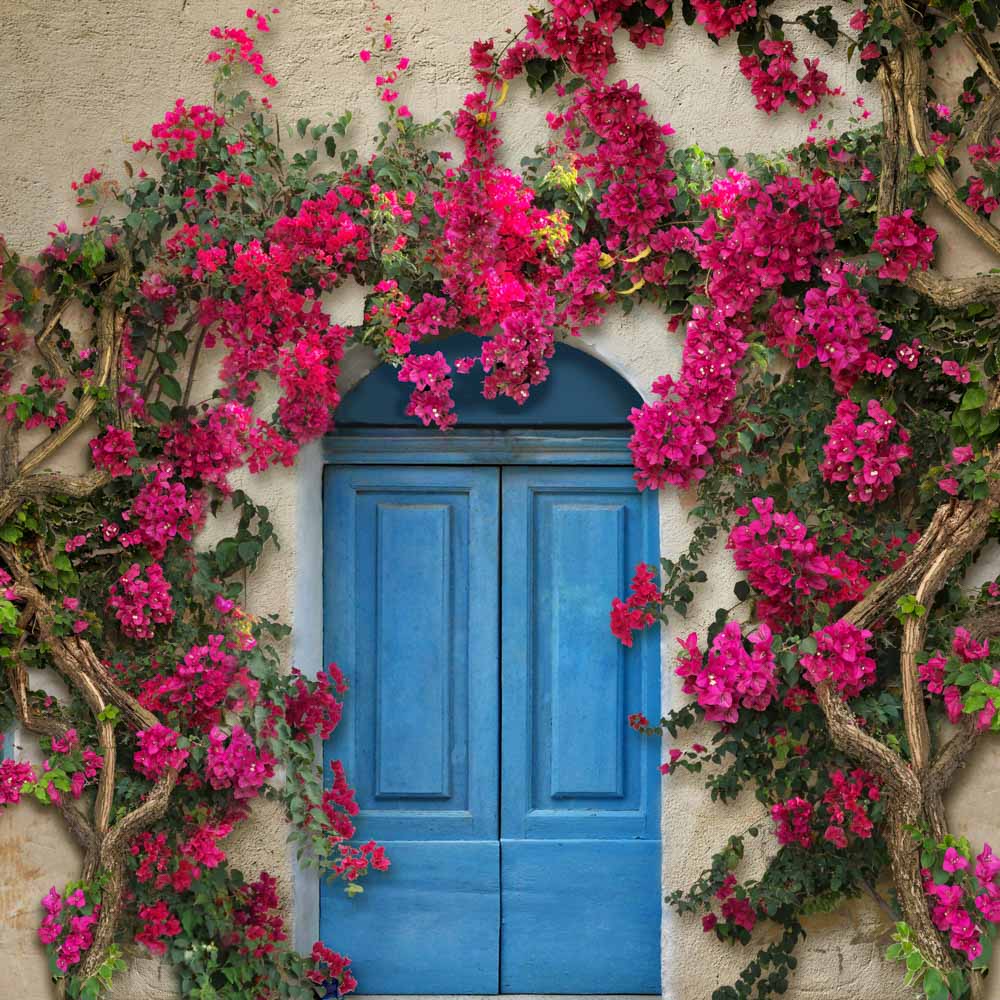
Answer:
(773, 80)
(847, 802)
(210, 448)
(157, 923)
(113, 450)
(497, 277)
(932, 673)
(793, 821)
(158, 751)
(836, 327)
(966, 898)
(14, 775)
(207, 679)
(673, 439)
(737, 910)
(356, 861)
(259, 926)
(330, 821)
(787, 568)
(634, 614)
(69, 767)
(180, 865)
(984, 186)
(178, 135)
(141, 602)
(237, 764)
(307, 374)
(757, 238)
(66, 933)
(241, 47)
(162, 510)
(431, 397)
(905, 245)
(864, 454)
(720, 19)
(967, 649)
(331, 968)
(730, 677)
(842, 656)
(313, 708)
(626, 160)
(964, 691)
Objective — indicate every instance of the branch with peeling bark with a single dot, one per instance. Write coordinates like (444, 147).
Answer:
(105, 844)
(915, 786)
(23, 481)
(104, 839)
(903, 87)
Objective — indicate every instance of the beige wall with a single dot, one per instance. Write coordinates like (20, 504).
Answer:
(79, 81)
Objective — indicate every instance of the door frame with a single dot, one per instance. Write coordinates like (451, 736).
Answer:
(516, 446)
(414, 446)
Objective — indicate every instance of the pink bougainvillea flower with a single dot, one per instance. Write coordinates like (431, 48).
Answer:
(953, 861)
(842, 656)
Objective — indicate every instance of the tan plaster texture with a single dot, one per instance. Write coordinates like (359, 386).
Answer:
(81, 79)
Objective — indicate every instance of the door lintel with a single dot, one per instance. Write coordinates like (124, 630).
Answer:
(472, 446)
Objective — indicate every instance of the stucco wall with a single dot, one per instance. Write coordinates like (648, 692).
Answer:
(81, 80)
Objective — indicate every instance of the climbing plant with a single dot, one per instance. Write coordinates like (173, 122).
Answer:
(836, 414)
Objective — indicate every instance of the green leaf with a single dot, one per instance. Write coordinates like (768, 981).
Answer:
(171, 387)
(159, 411)
(974, 398)
(167, 361)
(934, 986)
(248, 551)
(957, 984)
(91, 990)
(93, 252)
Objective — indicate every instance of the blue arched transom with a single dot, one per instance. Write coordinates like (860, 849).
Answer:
(579, 392)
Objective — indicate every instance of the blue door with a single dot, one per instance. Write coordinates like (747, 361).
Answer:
(485, 728)
(579, 810)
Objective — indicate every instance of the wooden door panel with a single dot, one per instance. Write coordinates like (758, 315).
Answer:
(411, 599)
(579, 850)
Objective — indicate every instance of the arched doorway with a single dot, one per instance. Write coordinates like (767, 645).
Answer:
(466, 584)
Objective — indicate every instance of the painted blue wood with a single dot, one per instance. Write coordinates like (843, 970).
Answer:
(579, 392)
(579, 806)
(411, 610)
(581, 916)
(431, 924)
(534, 869)
(404, 446)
